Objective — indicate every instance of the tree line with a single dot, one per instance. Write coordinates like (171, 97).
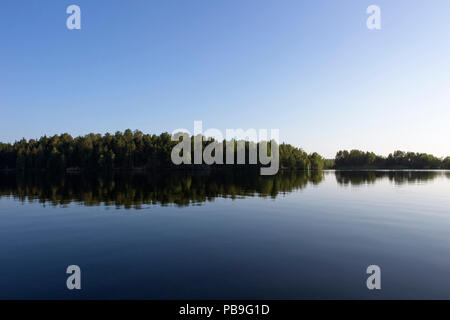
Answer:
(122, 150)
(397, 160)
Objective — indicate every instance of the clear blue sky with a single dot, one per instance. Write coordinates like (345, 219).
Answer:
(310, 68)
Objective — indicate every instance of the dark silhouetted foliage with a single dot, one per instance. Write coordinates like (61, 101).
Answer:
(397, 160)
(125, 151)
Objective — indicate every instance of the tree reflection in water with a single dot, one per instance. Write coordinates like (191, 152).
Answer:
(356, 178)
(133, 190)
(182, 188)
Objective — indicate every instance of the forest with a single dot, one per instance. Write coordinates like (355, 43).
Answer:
(128, 150)
(134, 150)
(356, 159)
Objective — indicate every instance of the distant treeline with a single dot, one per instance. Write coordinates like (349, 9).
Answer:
(134, 150)
(122, 150)
(356, 159)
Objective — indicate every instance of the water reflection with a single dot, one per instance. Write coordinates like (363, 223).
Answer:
(184, 188)
(135, 190)
(357, 178)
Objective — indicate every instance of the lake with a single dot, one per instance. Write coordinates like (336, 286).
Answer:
(226, 235)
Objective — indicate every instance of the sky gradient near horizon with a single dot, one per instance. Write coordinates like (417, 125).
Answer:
(309, 68)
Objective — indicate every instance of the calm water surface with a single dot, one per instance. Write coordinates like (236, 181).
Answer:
(225, 235)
